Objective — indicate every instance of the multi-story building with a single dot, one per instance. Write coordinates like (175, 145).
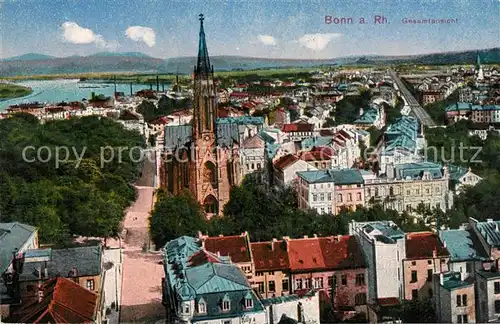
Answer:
(329, 191)
(454, 298)
(406, 186)
(401, 143)
(204, 287)
(335, 266)
(465, 95)
(461, 178)
(285, 170)
(488, 294)
(488, 235)
(272, 276)
(385, 249)
(425, 256)
(298, 132)
(253, 158)
(430, 96)
(466, 252)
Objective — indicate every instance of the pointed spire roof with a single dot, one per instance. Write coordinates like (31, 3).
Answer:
(203, 65)
(478, 61)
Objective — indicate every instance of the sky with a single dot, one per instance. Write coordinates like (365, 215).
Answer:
(269, 29)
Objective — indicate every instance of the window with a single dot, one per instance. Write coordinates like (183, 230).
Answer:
(329, 210)
(443, 261)
(343, 280)
(271, 273)
(414, 276)
(414, 294)
(30, 288)
(497, 306)
(349, 197)
(284, 285)
(429, 275)
(226, 305)
(464, 300)
(318, 283)
(429, 261)
(329, 196)
(459, 300)
(248, 302)
(90, 284)
(298, 283)
(261, 288)
(414, 263)
(322, 197)
(360, 279)
(322, 211)
(462, 319)
(307, 283)
(332, 281)
(339, 198)
(360, 299)
(497, 287)
(272, 286)
(202, 307)
(315, 197)
(259, 274)
(358, 196)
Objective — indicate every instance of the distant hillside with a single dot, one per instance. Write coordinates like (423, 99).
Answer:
(34, 64)
(29, 57)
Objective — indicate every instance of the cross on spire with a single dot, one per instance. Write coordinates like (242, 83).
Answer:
(203, 66)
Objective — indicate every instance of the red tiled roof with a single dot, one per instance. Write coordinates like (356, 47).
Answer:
(297, 128)
(342, 252)
(315, 155)
(253, 142)
(270, 256)
(305, 254)
(421, 245)
(64, 301)
(202, 257)
(237, 247)
(334, 252)
(285, 161)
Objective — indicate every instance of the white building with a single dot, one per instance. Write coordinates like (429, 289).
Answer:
(384, 246)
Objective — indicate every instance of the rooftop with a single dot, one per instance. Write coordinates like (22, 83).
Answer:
(285, 161)
(13, 236)
(422, 245)
(64, 301)
(383, 228)
(270, 256)
(339, 177)
(490, 231)
(462, 245)
(236, 247)
(452, 281)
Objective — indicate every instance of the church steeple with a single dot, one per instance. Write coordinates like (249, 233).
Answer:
(203, 66)
(478, 62)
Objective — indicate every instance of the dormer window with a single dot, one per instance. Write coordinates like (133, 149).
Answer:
(202, 306)
(249, 300)
(226, 303)
(185, 308)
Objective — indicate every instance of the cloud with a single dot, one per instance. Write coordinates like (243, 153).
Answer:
(142, 34)
(267, 40)
(317, 42)
(75, 34)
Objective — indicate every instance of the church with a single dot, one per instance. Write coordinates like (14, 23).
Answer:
(204, 156)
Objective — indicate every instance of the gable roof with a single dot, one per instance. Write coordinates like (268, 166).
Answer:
(285, 161)
(297, 128)
(421, 245)
(253, 142)
(490, 231)
(462, 245)
(270, 255)
(13, 236)
(215, 277)
(237, 247)
(64, 301)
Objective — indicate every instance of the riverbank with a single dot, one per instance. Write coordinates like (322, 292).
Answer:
(11, 91)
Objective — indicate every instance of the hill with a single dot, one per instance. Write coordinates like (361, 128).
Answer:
(35, 64)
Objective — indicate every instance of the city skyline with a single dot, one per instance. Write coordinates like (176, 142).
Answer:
(281, 30)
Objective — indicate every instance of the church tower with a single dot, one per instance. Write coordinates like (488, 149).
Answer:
(204, 182)
(479, 69)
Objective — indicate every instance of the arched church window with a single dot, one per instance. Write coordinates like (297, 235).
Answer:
(210, 204)
(210, 174)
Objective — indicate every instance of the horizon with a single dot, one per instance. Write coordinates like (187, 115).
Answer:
(253, 29)
(254, 57)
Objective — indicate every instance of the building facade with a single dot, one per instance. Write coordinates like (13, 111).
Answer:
(454, 299)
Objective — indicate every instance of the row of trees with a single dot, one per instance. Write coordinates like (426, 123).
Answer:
(166, 106)
(78, 194)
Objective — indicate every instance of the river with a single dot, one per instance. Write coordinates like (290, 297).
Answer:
(54, 91)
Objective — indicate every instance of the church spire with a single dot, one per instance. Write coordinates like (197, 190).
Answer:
(203, 66)
(478, 62)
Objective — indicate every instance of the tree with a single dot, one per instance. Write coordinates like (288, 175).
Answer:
(175, 216)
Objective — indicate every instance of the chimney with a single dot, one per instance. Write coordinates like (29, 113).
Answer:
(221, 235)
(441, 279)
(305, 236)
(315, 235)
(489, 220)
(339, 237)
